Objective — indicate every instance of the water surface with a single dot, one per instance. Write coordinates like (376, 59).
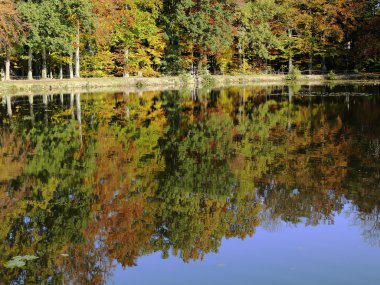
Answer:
(240, 185)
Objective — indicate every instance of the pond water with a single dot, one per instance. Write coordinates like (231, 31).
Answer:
(240, 185)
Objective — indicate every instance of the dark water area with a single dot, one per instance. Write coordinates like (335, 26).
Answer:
(239, 185)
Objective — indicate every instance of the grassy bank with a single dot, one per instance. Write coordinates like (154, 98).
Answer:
(158, 83)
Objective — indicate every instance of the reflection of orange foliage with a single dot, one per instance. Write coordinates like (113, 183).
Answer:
(13, 157)
(310, 169)
(116, 212)
(316, 159)
(13, 153)
(122, 216)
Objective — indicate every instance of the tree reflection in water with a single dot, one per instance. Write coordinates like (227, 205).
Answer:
(86, 179)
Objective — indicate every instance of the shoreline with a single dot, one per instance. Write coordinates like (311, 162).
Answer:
(136, 84)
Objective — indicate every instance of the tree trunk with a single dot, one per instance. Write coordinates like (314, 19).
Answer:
(44, 68)
(71, 71)
(30, 66)
(241, 60)
(79, 116)
(31, 101)
(9, 106)
(290, 34)
(77, 59)
(60, 71)
(72, 105)
(8, 66)
(126, 57)
(310, 63)
(324, 68)
(45, 99)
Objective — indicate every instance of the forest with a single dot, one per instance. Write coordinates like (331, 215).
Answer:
(100, 38)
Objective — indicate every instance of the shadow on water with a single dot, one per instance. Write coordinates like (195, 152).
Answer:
(90, 179)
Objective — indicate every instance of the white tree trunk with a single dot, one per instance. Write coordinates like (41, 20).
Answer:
(8, 66)
(44, 68)
(31, 101)
(79, 116)
(9, 106)
(290, 34)
(30, 66)
(60, 71)
(71, 72)
(72, 97)
(77, 58)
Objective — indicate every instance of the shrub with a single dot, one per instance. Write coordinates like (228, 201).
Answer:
(331, 75)
(294, 74)
(185, 78)
(140, 84)
(208, 80)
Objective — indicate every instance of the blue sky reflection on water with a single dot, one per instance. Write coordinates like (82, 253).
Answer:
(323, 254)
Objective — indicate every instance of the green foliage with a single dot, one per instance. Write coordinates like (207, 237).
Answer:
(331, 75)
(294, 74)
(19, 261)
(208, 80)
(256, 35)
(140, 84)
(120, 37)
(185, 78)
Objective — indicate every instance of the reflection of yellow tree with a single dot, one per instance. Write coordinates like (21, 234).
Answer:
(127, 160)
(51, 203)
(13, 159)
(13, 154)
(363, 186)
(308, 166)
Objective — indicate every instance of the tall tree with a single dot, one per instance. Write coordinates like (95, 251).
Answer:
(257, 35)
(205, 25)
(11, 30)
(78, 16)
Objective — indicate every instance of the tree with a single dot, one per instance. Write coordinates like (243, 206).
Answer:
(257, 36)
(205, 25)
(11, 30)
(77, 15)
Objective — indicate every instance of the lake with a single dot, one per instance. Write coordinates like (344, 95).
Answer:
(237, 185)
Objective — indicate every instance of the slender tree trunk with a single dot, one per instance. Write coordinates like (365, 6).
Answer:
(9, 106)
(79, 116)
(126, 57)
(72, 98)
(44, 68)
(31, 101)
(241, 58)
(45, 99)
(310, 63)
(290, 34)
(60, 71)
(79, 109)
(324, 68)
(30, 66)
(71, 71)
(77, 59)
(8, 66)
(45, 102)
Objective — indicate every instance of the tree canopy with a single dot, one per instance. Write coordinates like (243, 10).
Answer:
(122, 37)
